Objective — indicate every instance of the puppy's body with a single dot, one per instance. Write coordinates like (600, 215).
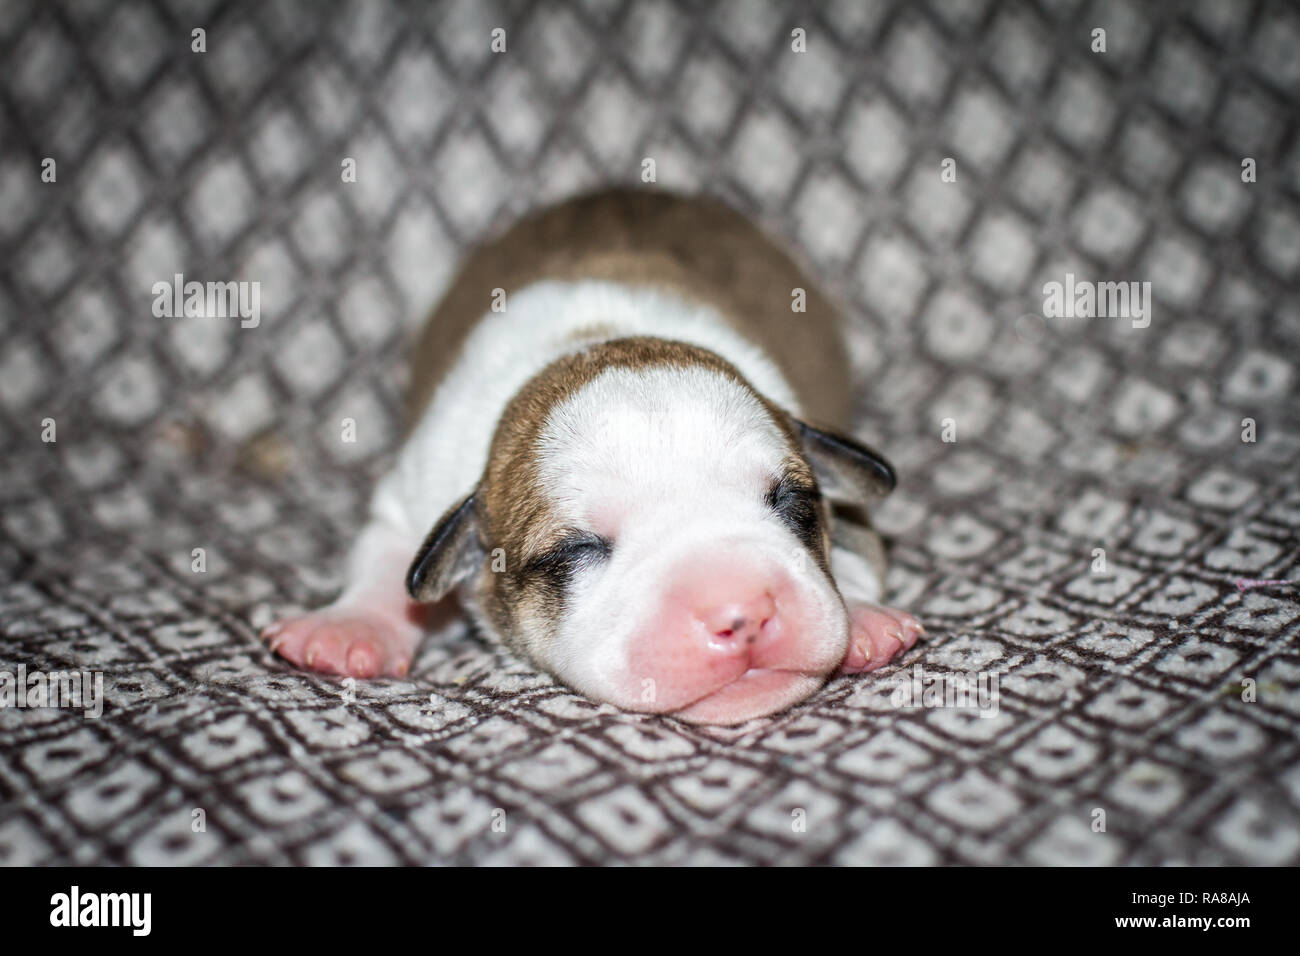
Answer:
(618, 467)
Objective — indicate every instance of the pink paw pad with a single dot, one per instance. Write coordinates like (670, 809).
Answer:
(348, 644)
(876, 634)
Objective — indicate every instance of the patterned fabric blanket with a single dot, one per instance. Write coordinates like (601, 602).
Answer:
(1081, 489)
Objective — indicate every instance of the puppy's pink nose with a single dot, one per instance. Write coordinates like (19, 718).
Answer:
(739, 622)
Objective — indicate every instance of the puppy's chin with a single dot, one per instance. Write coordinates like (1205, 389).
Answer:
(756, 693)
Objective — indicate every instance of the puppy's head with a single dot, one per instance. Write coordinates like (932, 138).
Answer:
(653, 531)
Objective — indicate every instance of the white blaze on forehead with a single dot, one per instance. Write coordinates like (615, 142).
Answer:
(655, 435)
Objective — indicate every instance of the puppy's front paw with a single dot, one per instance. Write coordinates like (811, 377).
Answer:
(348, 642)
(876, 634)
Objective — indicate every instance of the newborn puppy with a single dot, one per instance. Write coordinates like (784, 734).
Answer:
(619, 457)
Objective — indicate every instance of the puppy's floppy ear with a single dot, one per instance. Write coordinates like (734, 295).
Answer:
(846, 469)
(449, 554)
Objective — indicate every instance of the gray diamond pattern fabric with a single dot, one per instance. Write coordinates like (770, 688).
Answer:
(1125, 691)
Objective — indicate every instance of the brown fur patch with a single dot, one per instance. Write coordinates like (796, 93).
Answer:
(796, 468)
(694, 247)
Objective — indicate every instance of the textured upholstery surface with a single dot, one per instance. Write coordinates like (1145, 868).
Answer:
(1120, 691)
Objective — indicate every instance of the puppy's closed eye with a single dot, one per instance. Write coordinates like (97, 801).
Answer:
(573, 553)
(795, 503)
